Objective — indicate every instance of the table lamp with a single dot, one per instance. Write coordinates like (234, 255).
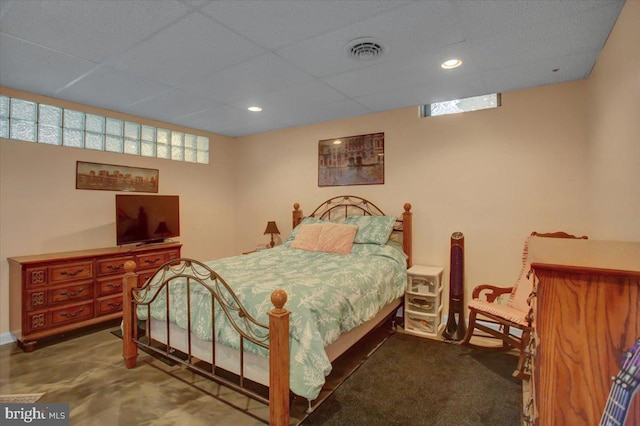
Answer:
(272, 228)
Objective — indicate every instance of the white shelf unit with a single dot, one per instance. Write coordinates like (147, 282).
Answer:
(423, 301)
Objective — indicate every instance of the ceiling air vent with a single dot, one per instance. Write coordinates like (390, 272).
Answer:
(365, 49)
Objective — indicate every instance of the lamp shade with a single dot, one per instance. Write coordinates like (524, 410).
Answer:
(272, 228)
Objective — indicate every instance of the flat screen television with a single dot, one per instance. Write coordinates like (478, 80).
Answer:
(145, 219)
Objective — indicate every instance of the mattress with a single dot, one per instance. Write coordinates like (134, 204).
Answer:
(328, 295)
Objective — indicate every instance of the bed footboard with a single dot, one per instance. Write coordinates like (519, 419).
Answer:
(276, 340)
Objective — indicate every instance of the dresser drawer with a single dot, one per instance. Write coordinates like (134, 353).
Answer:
(423, 285)
(109, 305)
(72, 271)
(112, 266)
(71, 293)
(143, 276)
(56, 293)
(72, 313)
(151, 261)
(419, 323)
(173, 254)
(110, 285)
(421, 304)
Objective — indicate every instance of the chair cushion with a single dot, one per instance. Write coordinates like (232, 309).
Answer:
(500, 310)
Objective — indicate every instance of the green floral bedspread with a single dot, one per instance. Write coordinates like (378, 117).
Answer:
(328, 294)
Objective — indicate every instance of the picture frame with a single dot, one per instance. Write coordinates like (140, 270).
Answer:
(351, 160)
(111, 177)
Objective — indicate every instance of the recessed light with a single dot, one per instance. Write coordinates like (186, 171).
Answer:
(337, 142)
(254, 109)
(451, 63)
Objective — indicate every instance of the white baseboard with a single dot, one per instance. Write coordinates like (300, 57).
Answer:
(6, 338)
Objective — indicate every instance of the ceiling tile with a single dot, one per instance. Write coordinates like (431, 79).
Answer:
(91, 29)
(389, 75)
(253, 77)
(275, 24)
(443, 90)
(481, 18)
(408, 31)
(314, 91)
(170, 106)
(571, 67)
(116, 88)
(215, 118)
(22, 64)
(553, 38)
(201, 63)
(187, 50)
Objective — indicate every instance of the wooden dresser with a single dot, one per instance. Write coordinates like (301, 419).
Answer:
(59, 292)
(586, 315)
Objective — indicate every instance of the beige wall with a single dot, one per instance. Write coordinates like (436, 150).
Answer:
(495, 175)
(42, 212)
(614, 131)
(561, 157)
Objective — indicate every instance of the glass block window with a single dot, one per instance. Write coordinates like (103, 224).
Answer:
(33, 122)
(4, 117)
(461, 105)
(49, 124)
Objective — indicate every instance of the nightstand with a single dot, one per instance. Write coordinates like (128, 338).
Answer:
(423, 301)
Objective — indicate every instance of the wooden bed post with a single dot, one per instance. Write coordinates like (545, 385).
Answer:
(129, 315)
(407, 232)
(297, 215)
(279, 360)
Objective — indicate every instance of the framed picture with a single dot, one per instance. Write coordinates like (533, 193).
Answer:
(351, 160)
(110, 177)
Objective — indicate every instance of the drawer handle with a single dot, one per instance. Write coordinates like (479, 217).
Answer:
(115, 268)
(117, 305)
(72, 293)
(153, 262)
(119, 285)
(71, 274)
(68, 315)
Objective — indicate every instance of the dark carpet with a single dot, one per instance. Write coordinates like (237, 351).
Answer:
(416, 381)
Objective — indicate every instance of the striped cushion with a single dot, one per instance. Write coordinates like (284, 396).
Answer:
(503, 311)
(523, 287)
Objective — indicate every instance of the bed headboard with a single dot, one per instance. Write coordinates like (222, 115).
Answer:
(343, 206)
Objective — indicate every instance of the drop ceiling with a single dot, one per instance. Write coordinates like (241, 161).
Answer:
(201, 64)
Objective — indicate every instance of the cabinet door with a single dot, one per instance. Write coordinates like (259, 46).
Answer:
(581, 340)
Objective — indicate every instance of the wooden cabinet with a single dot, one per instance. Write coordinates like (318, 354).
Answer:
(58, 292)
(586, 315)
(423, 301)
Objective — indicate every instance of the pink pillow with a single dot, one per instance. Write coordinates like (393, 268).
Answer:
(336, 238)
(307, 237)
(325, 237)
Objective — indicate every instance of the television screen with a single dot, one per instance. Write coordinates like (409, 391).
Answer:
(147, 218)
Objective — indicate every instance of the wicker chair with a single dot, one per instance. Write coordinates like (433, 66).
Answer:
(505, 318)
